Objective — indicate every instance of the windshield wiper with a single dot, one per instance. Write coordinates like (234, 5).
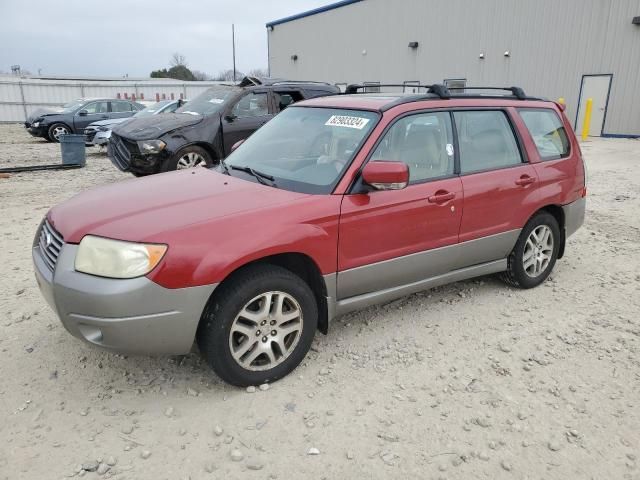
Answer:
(257, 174)
(225, 167)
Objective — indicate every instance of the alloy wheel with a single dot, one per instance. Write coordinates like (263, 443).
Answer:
(266, 331)
(58, 132)
(538, 251)
(190, 160)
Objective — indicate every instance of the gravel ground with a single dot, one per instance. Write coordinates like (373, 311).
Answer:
(471, 380)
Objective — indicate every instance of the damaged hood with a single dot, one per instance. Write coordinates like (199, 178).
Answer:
(112, 121)
(43, 112)
(149, 128)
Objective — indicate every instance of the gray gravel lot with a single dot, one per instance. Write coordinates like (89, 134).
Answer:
(471, 380)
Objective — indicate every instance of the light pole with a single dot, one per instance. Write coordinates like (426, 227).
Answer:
(233, 42)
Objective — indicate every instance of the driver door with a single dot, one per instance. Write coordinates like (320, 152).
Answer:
(94, 111)
(388, 238)
(248, 114)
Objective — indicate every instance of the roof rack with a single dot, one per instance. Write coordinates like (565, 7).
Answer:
(516, 91)
(283, 82)
(437, 89)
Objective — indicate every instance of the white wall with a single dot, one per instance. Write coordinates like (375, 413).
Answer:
(20, 96)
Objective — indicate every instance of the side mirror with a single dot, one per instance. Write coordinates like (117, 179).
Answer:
(83, 113)
(230, 117)
(237, 144)
(386, 175)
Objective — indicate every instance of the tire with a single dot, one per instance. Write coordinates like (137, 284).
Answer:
(188, 157)
(236, 348)
(531, 261)
(56, 130)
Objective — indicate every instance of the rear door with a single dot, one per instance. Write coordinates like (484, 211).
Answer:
(249, 113)
(284, 97)
(499, 183)
(387, 238)
(121, 109)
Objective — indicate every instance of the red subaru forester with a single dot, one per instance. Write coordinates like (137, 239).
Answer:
(337, 203)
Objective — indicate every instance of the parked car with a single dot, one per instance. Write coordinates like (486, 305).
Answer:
(98, 133)
(338, 203)
(203, 132)
(76, 115)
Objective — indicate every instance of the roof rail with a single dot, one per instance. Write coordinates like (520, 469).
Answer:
(282, 82)
(437, 89)
(516, 91)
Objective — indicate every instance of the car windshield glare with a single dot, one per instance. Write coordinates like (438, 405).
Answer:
(209, 101)
(151, 109)
(71, 106)
(304, 149)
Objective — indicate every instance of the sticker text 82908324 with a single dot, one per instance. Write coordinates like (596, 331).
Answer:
(347, 121)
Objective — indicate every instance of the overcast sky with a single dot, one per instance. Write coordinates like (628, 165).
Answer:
(118, 37)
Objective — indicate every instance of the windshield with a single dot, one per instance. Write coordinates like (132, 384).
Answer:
(304, 149)
(152, 109)
(71, 106)
(209, 101)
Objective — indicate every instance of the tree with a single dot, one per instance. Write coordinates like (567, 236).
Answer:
(201, 76)
(227, 75)
(258, 72)
(178, 60)
(178, 72)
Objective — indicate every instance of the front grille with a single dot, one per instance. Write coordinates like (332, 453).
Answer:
(119, 152)
(50, 243)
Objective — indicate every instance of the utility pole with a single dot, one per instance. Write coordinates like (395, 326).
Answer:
(233, 42)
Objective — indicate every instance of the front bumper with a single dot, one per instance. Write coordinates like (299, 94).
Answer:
(36, 131)
(133, 315)
(124, 154)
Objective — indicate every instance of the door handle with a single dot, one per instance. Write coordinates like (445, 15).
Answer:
(441, 197)
(525, 180)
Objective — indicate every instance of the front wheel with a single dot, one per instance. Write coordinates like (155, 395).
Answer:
(259, 326)
(535, 253)
(57, 130)
(188, 157)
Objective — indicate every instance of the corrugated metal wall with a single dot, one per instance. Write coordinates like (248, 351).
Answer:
(21, 96)
(552, 44)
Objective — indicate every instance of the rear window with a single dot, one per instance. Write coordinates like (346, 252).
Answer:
(486, 141)
(547, 131)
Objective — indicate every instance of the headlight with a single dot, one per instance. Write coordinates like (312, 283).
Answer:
(104, 129)
(117, 259)
(36, 124)
(151, 146)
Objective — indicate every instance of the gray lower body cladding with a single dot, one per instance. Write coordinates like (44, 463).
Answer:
(132, 315)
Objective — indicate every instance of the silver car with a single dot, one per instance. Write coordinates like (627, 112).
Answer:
(98, 133)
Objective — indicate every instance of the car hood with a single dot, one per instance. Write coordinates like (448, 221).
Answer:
(111, 121)
(152, 209)
(43, 112)
(148, 128)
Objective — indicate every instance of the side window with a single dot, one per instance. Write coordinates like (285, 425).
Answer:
(284, 99)
(96, 107)
(252, 105)
(486, 141)
(547, 131)
(119, 107)
(424, 142)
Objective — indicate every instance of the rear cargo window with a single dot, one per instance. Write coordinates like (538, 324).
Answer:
(547, 131)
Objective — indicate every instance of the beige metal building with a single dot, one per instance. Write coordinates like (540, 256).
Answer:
(575, 49)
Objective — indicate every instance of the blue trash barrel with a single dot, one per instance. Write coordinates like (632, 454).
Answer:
(73, 150)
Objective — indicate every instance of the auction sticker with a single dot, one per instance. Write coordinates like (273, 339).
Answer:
(347, 121)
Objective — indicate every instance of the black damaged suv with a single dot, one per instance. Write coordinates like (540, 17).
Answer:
(204, 131)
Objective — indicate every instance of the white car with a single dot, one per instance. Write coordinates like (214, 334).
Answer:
(98, 133)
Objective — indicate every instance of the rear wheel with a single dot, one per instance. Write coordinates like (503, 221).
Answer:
(535, 253)
(259, 326)
(188, 157)
(57, 130)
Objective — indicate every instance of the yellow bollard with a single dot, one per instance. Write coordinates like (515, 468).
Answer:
(561, 100)
(587, 119)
